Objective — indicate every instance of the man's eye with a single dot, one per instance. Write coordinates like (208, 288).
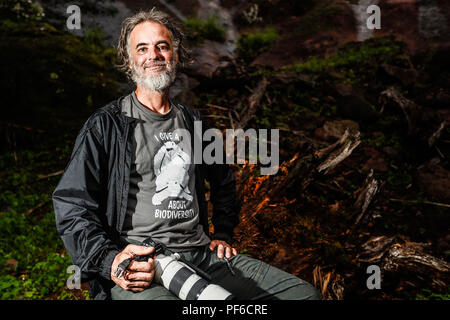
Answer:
(163, 48)
(142, 50)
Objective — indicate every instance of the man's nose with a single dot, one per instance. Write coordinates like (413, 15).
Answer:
(154, 54)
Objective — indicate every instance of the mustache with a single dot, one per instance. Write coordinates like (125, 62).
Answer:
(155, 64)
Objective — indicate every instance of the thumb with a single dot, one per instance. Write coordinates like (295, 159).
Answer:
(139, 250)
(212, 245)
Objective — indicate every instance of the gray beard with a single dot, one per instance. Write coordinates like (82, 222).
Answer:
(154, 83)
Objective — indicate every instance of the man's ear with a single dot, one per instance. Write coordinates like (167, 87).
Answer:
(130, 63)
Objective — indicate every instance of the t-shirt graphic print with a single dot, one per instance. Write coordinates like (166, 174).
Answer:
(171, 165)
(162, 201)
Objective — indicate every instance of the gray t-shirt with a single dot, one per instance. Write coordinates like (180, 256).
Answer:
(162, 201)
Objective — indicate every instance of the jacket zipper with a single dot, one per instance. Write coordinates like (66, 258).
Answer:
(123, 177)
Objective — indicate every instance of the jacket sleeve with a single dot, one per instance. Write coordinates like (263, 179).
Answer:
(226, 204)
(77, 201)
(223, 196)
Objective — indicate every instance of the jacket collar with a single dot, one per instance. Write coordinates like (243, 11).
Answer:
(115, 109)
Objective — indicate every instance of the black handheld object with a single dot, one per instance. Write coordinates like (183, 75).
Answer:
(159, 248)
(181, 277)
(126, 263)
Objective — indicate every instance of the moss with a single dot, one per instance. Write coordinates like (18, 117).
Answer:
(200, 30)
(398, 179)
(354, 61)
(317, 19)
(253, 44)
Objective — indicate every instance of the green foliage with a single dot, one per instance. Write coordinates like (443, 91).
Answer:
(382, 140)
(29, 238)
(317, 19)
(26, 10)
(94, 38)
(399, 178)
(245, 252)
(200, 30)
(353, 61)
(253, 44)
(429, 295)
(70, 295)
(41, 270)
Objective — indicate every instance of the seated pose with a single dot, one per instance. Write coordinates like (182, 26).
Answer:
(131, 176)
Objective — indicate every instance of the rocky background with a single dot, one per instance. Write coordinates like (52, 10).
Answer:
(364, 132)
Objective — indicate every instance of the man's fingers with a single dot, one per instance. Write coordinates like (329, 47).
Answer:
(220, 251)
(228, 253)
(138, 284)
(138, 250)
(212, 245)
(223, 249)
(141, 276)
(130, 285)
(142, 266)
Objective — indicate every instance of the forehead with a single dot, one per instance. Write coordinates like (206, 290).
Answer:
(149, 32)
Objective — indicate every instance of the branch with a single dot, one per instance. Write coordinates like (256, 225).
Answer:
(30, 211)
(57, 173)
(253, 103)
(366, 195)
(410, 108)
(422, 202)
(348, 144)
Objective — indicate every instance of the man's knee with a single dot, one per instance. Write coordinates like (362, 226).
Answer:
(154, 292)
(306, 291)
(303, 290)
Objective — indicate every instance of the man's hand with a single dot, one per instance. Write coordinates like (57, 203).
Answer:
(221, 247)
(139, 275)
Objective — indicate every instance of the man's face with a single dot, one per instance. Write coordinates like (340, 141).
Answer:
(152, 58)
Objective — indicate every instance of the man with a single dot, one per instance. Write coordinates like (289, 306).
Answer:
(130, 176)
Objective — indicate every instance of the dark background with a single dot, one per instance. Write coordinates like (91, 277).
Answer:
(303, 67)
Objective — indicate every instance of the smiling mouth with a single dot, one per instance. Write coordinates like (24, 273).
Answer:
(156, 67)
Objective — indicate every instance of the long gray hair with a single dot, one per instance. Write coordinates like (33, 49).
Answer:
(178, 37)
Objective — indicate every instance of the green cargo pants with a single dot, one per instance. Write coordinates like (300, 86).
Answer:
(253, 280)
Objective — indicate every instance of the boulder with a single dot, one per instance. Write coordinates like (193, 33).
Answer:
(209, 58)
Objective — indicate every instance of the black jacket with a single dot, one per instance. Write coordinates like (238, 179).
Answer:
(90, 200)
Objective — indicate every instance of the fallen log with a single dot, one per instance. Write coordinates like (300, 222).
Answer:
(301, 171)
(435, 136)
(411, 255)
(400, 257)
(409, 108)
(253, 102)
(365, 195)
(342, 149)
